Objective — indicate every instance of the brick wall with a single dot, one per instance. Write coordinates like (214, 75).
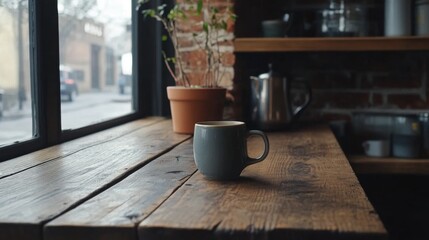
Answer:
(345, 82)
(194, 56)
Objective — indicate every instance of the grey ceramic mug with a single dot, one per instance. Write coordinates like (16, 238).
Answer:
(220, 148)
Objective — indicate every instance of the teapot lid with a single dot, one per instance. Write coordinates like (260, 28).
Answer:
(270, 73)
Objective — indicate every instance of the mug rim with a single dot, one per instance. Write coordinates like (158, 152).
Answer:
(214, 124)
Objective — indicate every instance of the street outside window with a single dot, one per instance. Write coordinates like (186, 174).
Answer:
(16, 114)
(95, 61)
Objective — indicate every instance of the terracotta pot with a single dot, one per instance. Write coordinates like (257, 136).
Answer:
(191, 105)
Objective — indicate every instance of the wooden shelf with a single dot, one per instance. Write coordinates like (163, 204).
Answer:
(372, 165)
(331, 44)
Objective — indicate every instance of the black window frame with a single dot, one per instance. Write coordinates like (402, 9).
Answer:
(148, 88)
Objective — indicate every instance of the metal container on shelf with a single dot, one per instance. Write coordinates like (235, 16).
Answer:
(422, 17)
(424, 122)
(406, 139)
(397, 17)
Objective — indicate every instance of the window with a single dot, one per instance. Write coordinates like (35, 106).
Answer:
(95, 61)
(16, 114)
(95, 43)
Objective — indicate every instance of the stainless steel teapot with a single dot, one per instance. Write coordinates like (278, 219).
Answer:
(271, 106)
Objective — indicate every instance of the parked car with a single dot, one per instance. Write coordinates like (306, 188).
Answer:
(1, 102)
(69, 89)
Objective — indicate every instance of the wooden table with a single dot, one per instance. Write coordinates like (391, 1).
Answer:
(139, 181)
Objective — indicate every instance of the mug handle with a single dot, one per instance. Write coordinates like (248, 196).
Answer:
(250, 160)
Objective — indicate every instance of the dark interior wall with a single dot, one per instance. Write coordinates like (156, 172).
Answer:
(343, 82)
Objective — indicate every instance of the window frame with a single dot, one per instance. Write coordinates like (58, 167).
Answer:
(148, 94)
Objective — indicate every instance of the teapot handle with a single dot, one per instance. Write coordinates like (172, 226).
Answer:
(308, 97)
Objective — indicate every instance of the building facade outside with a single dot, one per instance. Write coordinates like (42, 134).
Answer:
(95, 61)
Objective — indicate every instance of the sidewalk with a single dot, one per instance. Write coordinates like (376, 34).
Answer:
(84, 100)
(15, 112)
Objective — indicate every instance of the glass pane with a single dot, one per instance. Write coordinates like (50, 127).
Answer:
(16, 115)
(95, 61)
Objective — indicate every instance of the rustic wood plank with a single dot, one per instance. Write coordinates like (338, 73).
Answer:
(32, 197)
(331, 44)
(305, 189)
(372, 165)
(22, 163)
(115, 213)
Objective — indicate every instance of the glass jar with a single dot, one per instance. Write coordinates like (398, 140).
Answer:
(342, 20)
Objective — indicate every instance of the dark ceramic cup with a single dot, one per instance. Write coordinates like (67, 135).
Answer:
(273, 28)
(220, 149)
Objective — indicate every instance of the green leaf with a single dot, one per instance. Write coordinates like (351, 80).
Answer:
(200, 6)
(181, 14)
(171, 15)
(164, 38)
(205, 27)
(148, 13)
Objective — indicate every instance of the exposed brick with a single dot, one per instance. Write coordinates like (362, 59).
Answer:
(340, 100)
(225, 80)
(212, 2)
(230, 26)
(407, 101)
(185, 42)
(188, 26)
(196, 77)
(329, 81)
(392, 81)
(228, 59)
(226, 43)
(377, 100)
(194, 59)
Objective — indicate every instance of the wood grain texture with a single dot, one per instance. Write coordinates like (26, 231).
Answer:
(371, 165)
(39, 194)
(22, 163)
(305, 189)
(331, 44)
(115, 213)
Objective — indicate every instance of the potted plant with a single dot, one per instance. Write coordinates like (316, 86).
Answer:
(203, 100)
